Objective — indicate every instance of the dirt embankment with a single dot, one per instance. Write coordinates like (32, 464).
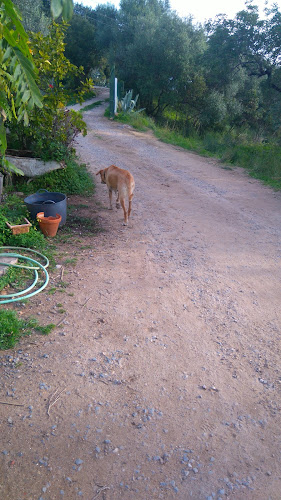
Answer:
(168, 349)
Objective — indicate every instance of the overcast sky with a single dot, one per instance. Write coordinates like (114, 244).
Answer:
(201, 10)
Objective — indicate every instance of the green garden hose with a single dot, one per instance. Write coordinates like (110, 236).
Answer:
(24, 294)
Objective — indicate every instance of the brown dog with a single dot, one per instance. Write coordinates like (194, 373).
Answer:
(120, 181)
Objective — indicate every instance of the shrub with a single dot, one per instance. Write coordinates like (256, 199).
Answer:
(12, 328)
(13, 210)
(73, 179)
(52, 128)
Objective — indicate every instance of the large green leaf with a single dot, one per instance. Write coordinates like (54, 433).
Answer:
(67, 10)
(16, 30)
(13, 15)
(9, 37)
(28, 69)
(64, 7)
(3, 139)
(9, 167)
(56, 8)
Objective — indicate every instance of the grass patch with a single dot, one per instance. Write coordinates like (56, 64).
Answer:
(91, 106)
(13, 210)
(82, 226)
(12, 328)
(73, 179)
(261, 160)
(71, 261)
(75, 100)
(138, 121)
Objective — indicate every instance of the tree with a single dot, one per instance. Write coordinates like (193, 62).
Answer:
(52, 128)
(81, 44)
(34, 16)
(19, 92)
(155, 52)
(241, 67)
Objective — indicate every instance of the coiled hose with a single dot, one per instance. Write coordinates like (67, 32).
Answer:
(37, 266)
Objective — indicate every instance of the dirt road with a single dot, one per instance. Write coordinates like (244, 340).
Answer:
(168, 350)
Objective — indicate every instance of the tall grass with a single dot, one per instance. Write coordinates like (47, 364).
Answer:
(261, 160)
(139, 121)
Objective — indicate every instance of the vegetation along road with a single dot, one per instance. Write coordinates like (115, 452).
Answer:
(162, 381)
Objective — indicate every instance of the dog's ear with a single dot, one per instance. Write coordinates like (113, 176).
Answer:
(99, 172)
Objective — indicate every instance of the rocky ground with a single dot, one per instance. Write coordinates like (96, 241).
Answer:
(162, 377)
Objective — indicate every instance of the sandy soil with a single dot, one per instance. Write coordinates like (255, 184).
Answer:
(162, 378)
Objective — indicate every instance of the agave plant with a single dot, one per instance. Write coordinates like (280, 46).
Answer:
(128, 104)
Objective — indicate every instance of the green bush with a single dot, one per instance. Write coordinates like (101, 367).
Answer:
(139, 121)
(12, 328)
(51, 128)
(13, 210)
(73, 179)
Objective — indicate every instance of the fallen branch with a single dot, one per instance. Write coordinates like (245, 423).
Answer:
(62, 320)
(61, 274)
(86, 301)
(11, 404)
(102, 488)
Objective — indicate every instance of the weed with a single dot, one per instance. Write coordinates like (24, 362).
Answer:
(73, 179)
(45, 330)
(12, 328)
(139, 121)
(82, 225)
(75, 100)
(63, 284)
(70, 261)
(72, 208)
(90, 106)
(261, 160)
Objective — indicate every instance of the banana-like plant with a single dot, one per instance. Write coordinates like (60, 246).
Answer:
(18, 90)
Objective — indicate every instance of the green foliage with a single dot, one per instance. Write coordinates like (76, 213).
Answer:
(127, 104)
(13, 210)
(73, 179)
(91, 106)
(80, 43)
(261, 160)
(52, 128)
(156, 53)
(12, 328)
(242, 64)
(74, 99)
(139, 121)
(33, 239)
(19, 92)
(34, 17)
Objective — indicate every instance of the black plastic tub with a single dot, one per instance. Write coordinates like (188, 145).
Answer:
(49, 203)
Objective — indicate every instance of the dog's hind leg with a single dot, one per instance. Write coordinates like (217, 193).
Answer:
(110, 199)
(130, 205)
(117, 200)
(122, 201)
